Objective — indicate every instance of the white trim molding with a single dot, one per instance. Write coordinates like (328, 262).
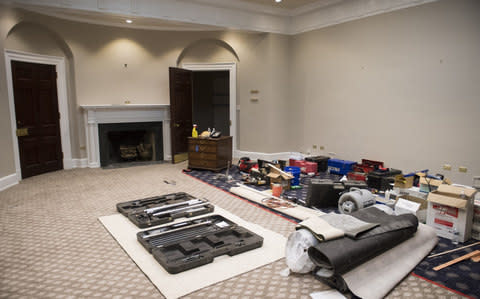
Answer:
(216, 14)
(8, 181)
(268, 156)
(231, 67)
(109, 114)
(59, 63)
(80, 163)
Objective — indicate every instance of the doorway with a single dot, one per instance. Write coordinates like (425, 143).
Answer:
(231, 68)
(211, 101)
(182, 106)
(62, 102)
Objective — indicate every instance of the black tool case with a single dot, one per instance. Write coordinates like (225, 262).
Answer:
(158, 210)
(323, 193)
(382, 179)
(322, 162)
(189, 244)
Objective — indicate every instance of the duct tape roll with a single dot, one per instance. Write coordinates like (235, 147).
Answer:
(354, 200)
(296, 251)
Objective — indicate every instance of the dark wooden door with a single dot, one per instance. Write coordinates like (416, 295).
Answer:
(36, 112)
(180, 112)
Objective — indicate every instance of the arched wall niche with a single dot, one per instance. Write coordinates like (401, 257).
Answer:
(208, 50)
(30, 39)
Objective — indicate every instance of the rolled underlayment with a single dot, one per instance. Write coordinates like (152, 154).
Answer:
(366, 272)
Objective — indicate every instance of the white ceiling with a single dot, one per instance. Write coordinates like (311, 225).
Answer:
(287, 17)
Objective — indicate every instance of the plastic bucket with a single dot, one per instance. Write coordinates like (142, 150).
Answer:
(295, 171)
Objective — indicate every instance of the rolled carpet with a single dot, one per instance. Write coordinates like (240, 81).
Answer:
(338, 256)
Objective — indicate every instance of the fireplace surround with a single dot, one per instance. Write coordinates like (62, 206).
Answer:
(148, 118)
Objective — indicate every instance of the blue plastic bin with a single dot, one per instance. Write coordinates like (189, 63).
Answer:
(341, 167)
(295, 171)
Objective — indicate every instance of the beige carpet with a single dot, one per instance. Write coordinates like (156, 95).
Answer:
(53, 246)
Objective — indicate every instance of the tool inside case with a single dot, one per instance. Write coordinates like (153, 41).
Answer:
(158, 210)
(189, 244)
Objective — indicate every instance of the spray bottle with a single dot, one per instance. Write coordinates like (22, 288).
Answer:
(194, 131)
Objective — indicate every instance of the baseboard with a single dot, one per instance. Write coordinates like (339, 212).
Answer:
(79, 163)
(267, 156)
(8, 181)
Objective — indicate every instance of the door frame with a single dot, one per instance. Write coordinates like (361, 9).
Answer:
(62, 98)
(231, 67)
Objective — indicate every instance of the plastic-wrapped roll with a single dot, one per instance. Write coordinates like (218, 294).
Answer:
(296, 251)
(354, 200)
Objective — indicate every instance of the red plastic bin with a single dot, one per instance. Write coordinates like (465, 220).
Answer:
(305, 166)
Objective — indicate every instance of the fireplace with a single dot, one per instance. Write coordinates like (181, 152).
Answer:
(130, 142)
(134, 127)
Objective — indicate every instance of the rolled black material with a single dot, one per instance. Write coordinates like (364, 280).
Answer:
(341, 255)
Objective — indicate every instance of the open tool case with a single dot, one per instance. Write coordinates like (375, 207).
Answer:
(186, 245)
(163, 209)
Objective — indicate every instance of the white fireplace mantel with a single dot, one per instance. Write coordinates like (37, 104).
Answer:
(108, 114)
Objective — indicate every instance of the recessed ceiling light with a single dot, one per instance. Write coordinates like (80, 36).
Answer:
(129, 21)
(278, 1)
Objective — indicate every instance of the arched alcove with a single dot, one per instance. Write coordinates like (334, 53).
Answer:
(210, 55)
(208, 51)
(35, 43)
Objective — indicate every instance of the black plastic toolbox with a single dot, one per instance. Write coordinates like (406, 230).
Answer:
(189, 244)
(322, 162)
(162, 209)
(382, 179)
(323, 193)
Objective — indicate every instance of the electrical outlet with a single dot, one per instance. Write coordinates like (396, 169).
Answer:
(462, 169)
(322, 147)
(447, 167)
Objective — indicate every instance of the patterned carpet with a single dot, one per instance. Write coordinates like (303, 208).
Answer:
(53, 246)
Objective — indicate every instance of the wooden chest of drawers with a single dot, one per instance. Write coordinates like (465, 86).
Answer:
(209, 153)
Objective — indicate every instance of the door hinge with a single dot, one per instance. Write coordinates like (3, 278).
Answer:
(56, 75)
(59, 115)
(61, 154)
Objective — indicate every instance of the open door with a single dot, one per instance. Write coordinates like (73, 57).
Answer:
(180, 112)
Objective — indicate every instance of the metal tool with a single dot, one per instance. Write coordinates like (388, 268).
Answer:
(173, 205)
(183, 209)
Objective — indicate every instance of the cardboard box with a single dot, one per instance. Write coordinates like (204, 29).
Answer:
(278, 176)
(451, 207)
(429, 185)
(403, 182)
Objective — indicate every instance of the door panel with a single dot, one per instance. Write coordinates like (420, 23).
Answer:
(36, 109)
(180, 111)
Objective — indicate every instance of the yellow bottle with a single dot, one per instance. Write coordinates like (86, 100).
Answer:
(194, 131)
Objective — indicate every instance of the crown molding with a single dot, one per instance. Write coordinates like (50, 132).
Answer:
(217, 14)
(347, 11)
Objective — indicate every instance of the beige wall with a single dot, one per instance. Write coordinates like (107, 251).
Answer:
(8, 18)
(401, 87)
(110, 65)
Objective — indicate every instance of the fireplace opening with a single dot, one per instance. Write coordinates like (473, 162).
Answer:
(130, 142)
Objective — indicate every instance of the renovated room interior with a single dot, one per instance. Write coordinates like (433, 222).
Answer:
(395, 81)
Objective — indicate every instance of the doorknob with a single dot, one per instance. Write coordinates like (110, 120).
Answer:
(19, 123)
(177, 125)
